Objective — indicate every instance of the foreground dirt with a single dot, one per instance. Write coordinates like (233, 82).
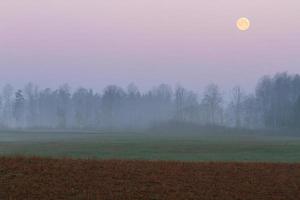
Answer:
(37, 178)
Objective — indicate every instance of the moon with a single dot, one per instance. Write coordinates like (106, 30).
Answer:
(243, 24)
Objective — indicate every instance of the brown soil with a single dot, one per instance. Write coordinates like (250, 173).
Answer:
(40, 178)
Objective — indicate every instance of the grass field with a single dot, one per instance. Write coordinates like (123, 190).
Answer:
(148, 146)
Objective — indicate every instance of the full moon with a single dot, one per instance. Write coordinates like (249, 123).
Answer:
(243, 24)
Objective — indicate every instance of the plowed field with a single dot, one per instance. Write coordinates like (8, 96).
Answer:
(43, 178)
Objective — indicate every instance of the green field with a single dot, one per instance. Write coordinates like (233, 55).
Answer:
(131, 145)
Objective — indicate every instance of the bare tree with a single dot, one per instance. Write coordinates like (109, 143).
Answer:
(236, 102)
(212, 100)
(63, 96)
(8, 104)
(19, 108)
(111, 102)
(179, 102)
(31, 104)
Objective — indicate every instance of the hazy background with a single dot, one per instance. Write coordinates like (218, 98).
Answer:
(93, 43)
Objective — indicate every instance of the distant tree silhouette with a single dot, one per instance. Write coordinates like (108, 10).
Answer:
(274, 104)
(18, 111)
(297, 113)
(213, 100)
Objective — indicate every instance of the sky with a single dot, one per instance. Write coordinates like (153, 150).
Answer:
(93, 43)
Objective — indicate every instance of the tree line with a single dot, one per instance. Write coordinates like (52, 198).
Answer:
(275, 103)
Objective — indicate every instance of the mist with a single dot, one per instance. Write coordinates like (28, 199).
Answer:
(274, 104)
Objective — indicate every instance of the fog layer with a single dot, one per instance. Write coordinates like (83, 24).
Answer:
(274, 104)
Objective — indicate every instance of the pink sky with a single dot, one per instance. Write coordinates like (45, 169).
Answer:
(193, 42)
